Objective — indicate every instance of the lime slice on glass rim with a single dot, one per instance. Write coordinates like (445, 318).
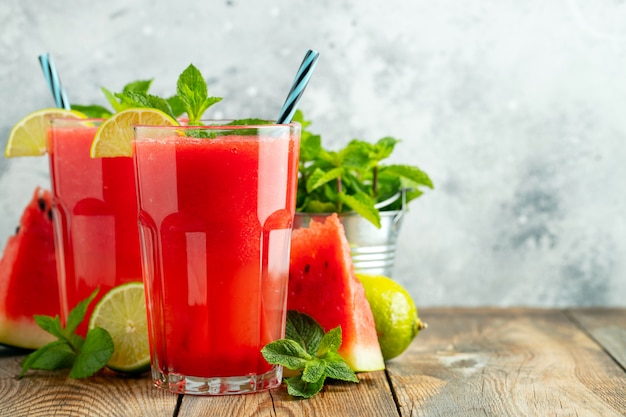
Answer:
(28, 136)
(115, 135)
(122, 312)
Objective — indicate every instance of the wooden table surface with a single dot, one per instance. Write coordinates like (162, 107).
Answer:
(469, 362)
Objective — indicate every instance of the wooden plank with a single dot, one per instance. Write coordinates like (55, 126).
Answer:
(513, 362)
(607, 326)
(53, 393)
(370, 397)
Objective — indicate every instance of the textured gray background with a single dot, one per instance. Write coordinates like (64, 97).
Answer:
(517, 110)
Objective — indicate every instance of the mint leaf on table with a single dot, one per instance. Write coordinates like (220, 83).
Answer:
(303, 329)
(298, 387)
(192, 91)
(308, 349)
(287, 353)
(94, 354)
(84, 356)
(54, 355)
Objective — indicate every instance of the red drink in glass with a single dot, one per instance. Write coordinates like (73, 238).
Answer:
(215, 219)
(95, 215)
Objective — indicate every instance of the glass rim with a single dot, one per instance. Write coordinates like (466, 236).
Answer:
(219, 124)
(73, 120)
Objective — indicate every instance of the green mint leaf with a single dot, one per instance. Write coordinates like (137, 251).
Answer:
(95, 353)
(297, 387)
(201, 133)
(192, 90)
(413, 174)
(304, 330)
(331, 342)
(308, 349)
(57, 355)
(320, 177)
(113, 101)
(383, 148)
(54, 355)
(314, 370)
(362, 204)
(310, 147)
(357, 155)
(76, 341)
(337, 368)
(77, 315)
(93, 111)
(83, 355)
(177, 105)
(141, 86)
(51, 325)
(143, 100)
(317, 206)
(299, 117)
(249, 122)
(286, 352)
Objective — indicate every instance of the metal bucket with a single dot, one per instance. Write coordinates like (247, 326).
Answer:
(373, 250)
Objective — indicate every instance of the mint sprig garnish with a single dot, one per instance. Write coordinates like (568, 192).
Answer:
(306, 348)
(192, 97)
(84, 356)
(193, 93)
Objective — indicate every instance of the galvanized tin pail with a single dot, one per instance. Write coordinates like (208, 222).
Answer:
(373, 250)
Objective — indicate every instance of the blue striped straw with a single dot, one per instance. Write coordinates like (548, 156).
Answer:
(297, 88)
(54, 82)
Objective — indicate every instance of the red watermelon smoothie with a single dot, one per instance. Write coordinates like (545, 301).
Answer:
(95, 216)
(215, 214)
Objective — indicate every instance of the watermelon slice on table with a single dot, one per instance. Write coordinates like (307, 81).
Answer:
(28, 277)
(323, 284)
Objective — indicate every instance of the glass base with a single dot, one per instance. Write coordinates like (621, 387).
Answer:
(183, 384)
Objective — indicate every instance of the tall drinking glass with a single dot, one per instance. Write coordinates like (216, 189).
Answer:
(216, 207)
(95, 215)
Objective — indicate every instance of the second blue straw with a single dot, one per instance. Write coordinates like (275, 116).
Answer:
(297, 88)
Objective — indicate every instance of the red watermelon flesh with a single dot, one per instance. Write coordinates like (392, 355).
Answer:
(323, 284)
(28, 277)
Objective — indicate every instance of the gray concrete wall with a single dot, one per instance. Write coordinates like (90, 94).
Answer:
(517, 109)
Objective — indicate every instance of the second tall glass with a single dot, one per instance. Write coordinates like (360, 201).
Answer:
(95, 215)
(216, 207)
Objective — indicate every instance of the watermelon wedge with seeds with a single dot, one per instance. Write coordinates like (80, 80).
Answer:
(28, 277)
(323, 284)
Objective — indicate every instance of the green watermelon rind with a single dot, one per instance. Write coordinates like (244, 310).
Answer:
(22, 333)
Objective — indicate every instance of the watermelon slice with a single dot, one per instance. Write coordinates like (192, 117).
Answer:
(322, 284)
(28, 277)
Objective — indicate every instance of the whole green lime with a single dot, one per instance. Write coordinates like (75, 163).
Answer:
(395, 314)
